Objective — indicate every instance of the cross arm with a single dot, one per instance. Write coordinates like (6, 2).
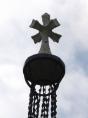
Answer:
(36, 38)
(36, 25)
(53, 24)
(54, 36)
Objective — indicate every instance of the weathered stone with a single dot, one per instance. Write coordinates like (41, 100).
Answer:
(45, 31)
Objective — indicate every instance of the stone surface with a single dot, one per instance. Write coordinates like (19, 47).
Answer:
(45, 31)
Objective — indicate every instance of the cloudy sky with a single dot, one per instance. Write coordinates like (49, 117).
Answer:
(16, 45)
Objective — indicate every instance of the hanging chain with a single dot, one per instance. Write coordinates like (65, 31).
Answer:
(45, 104)
(53, 104)
(34, 103)
(30, 108)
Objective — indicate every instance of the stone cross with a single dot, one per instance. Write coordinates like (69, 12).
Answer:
(45, 31)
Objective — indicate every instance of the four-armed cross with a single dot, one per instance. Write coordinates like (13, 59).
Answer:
(45, 31)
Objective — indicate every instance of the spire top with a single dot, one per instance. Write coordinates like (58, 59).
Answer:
(45, 31)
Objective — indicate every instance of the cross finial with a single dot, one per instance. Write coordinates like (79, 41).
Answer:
(45, 31)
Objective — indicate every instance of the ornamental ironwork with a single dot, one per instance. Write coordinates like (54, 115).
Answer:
(44, 71)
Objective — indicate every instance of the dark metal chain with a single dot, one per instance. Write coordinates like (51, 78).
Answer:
(53, 104)
(34, 104)
(45, 104)
(30, 108)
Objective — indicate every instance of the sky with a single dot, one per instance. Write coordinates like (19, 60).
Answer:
(16, 45)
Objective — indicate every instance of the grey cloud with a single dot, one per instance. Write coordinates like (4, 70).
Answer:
(81, 59)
